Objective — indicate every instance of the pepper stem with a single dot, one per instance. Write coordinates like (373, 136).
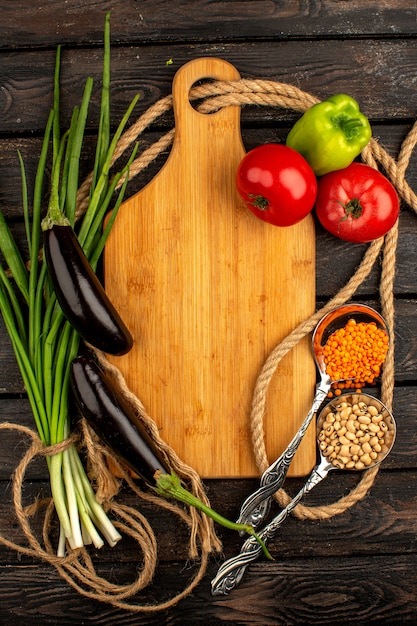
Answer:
(169, 486)
(350, 126)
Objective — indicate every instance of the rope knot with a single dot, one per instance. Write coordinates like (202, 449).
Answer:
(56, 448)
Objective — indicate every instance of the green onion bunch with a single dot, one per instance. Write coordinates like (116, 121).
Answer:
(43, 340)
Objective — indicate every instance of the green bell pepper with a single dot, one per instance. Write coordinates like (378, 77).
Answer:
(330, 134)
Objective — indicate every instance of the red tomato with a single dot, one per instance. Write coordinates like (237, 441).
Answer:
(277, 184)
(357, 203)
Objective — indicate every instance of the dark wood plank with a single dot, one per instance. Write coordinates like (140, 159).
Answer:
(28, 24)
(326, 591)
(321, 591)
(317, 67)
(380, 523)
(316, 562)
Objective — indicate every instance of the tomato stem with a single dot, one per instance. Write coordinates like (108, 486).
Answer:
(258, 201)
(353, 209)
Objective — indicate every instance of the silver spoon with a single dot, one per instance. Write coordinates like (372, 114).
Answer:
(232, 570)
(256, 506)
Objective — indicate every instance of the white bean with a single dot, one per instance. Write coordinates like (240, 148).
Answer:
(353, 436)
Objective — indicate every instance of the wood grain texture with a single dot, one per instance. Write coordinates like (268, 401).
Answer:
(382, 523)
(59, 21)
(356, 568)
(326, 592)
(319, 67)
(207, 291)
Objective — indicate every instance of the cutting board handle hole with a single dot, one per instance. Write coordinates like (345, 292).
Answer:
(196, 103)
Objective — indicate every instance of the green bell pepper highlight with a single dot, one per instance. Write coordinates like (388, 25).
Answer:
(330, 134)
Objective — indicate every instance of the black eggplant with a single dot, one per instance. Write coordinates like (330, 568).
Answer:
(80, 294)
(118, 426)
(114, 420)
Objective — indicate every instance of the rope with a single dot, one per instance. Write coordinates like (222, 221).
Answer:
(77, 568)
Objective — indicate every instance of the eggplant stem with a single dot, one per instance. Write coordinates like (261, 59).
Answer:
(169, 486)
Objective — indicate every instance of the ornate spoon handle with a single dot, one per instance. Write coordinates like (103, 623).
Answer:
(232, 570)
(256, 506)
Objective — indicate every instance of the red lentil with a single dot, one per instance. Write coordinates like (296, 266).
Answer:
(354, 354)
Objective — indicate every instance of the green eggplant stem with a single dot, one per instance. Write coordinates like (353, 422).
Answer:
(169, 486)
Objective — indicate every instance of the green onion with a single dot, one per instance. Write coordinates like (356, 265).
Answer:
(13, 258)
(43, 341)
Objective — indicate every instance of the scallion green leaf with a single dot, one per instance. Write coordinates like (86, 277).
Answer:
(43, 341)
(13, 258)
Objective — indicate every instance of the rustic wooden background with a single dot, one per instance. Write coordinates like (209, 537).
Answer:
(356, 568)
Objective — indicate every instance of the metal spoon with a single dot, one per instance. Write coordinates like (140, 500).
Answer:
(256, 506)
(232, 570)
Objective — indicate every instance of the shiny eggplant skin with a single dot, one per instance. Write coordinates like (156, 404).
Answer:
(113, 419)
(80, 294)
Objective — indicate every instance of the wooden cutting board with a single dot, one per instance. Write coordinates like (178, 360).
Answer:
(207, 290)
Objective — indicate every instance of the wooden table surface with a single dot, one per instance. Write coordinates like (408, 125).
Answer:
(359, 567)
